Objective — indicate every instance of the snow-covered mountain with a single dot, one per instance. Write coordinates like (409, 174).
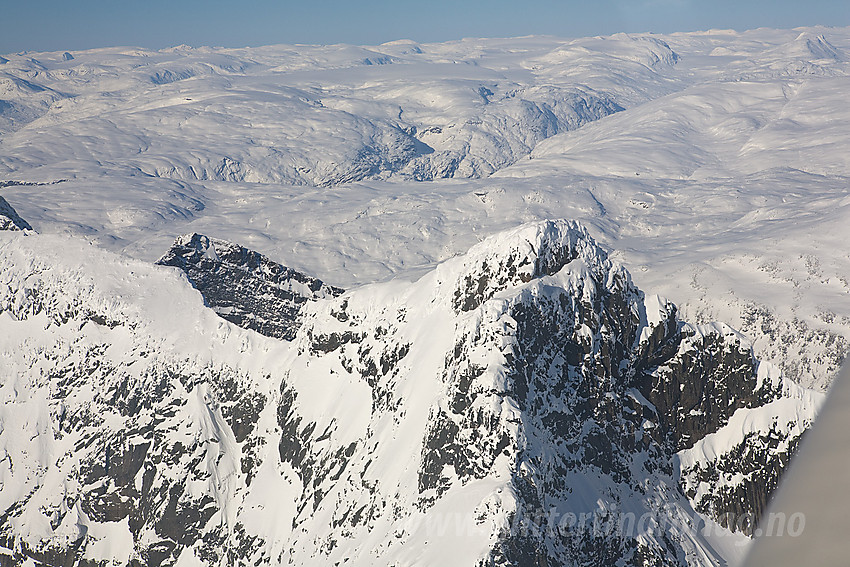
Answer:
(522, 404)
(482, 394)
(714, 163)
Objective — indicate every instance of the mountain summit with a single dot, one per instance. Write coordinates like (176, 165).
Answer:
(522, 404)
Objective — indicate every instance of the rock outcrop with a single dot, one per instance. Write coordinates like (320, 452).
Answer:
(9, 218)
(245, 287)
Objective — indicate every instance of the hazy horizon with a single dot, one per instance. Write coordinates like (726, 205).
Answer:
(89, 24)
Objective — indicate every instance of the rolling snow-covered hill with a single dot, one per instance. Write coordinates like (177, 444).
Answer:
(476, 377)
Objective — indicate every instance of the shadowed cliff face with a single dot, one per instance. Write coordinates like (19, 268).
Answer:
(527, 387)
(245, 287)
(9, 218)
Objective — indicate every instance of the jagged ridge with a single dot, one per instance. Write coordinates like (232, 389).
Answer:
(527, 380)
(245, 287)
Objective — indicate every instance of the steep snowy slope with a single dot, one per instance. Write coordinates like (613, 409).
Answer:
(521, 404)
(129, 410)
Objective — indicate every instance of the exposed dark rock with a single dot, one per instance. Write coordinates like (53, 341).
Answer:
(698, 389)
(9, 218)
(17, 183)
(245, 287)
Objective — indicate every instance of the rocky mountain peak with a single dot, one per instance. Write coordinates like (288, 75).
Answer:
(523, 254)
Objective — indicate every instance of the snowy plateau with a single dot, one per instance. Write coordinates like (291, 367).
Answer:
(300, 305)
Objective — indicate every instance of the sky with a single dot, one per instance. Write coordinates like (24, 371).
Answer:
(56, 25)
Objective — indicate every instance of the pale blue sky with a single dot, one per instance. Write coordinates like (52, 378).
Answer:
(38, 25)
